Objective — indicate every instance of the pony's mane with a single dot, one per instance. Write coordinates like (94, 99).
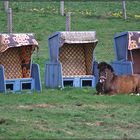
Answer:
(104, 65)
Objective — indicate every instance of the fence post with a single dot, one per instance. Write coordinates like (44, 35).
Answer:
(9, 20)
(124, 9)
(68, 21)
(62, 7)
(6, 5)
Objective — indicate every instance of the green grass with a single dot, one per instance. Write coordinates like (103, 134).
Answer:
(70, 113)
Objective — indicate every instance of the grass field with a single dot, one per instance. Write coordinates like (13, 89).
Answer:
(70, 113)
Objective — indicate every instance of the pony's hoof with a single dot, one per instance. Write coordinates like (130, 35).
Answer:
(112, 95)
(98, 93)
(131, 93)
(136, 94)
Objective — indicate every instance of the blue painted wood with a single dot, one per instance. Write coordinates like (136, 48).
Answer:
(67, 79)
(92, 79)
(28, 81)
(53, 75)
(35, 74)
(17, 84)
(95, 71)
(121, 46)
(14, 85)
(54, 44)
(2, 81)
(76, 82)
(122, 67)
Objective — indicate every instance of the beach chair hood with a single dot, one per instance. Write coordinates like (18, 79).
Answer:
(17, 40)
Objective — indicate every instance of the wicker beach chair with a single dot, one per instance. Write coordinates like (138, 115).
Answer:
(72, 60)
(17, 72)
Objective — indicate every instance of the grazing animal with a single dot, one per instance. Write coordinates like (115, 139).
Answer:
(110, 83)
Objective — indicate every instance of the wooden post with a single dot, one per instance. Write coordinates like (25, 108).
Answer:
(9, 20)
(124, 9)
(68, 21)
(6, 5)
(62, 7)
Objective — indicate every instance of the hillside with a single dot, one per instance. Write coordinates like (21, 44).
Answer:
(70, 113)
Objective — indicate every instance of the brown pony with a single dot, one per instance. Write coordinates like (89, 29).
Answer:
(110, 83)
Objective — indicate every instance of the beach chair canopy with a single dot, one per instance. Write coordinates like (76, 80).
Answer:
(16, 40)
(78, 37)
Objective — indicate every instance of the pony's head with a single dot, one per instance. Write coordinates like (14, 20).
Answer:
(104, 68)
(103, 65)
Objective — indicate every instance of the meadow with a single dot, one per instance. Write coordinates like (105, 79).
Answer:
(70, 113)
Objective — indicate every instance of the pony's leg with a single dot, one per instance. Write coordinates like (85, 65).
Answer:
(99, 88)
(138, 91)
(98, 93)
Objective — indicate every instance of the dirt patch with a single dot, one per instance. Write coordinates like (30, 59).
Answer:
(109, 116)
(97, 123)
(36, 106)
(96, 106)
(129, 126)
